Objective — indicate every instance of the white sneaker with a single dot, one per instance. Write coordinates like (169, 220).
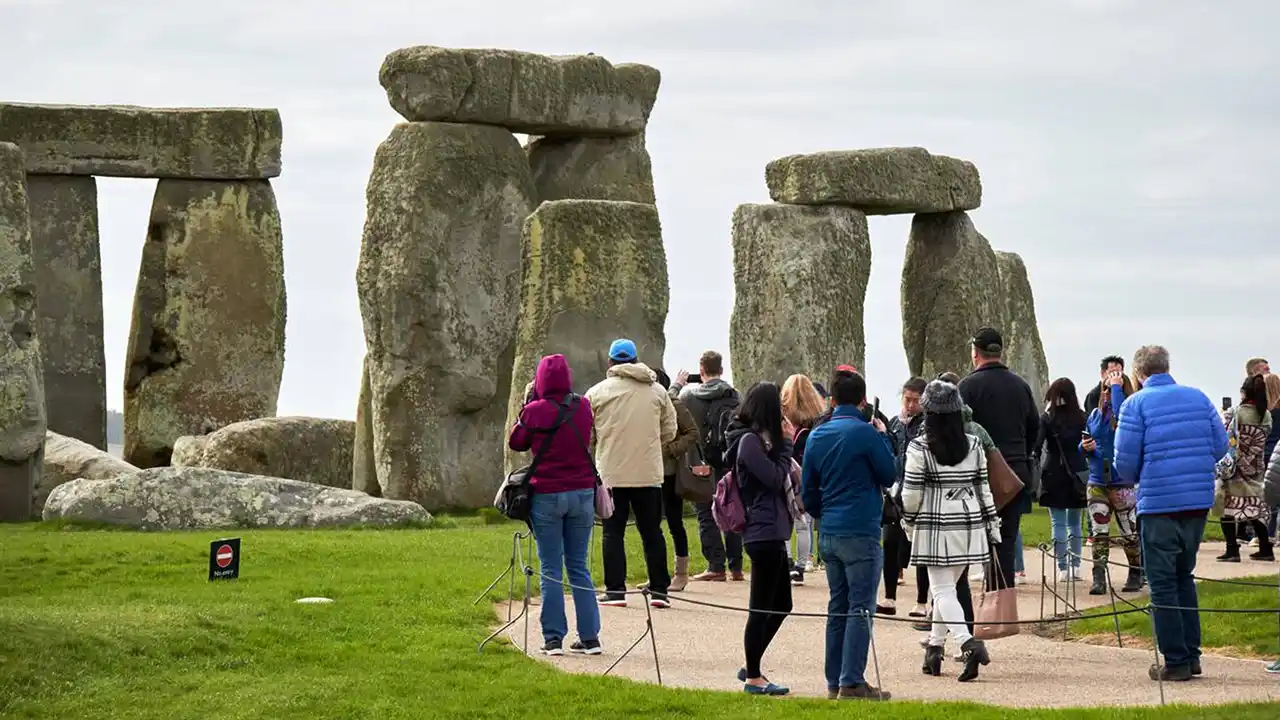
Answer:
(1064, 576)
(1020, 578)
(1075, 574)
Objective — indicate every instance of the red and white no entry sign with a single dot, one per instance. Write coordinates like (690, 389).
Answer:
(225, 556)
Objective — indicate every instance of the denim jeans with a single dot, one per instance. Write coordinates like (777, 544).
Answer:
(853, 575)
(1067, 540)
(562, 524)
(1169, 546)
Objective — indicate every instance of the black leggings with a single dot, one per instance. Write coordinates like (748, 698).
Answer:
(897, 553)
(963, 593)
(770, 590)
(673, 508)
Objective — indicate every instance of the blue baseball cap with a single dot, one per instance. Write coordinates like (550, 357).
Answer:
(622, 350)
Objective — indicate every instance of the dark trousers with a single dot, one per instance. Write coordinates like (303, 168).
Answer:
(647, 505)
(897, 553)
(1169, 547)
(1007, 550)
(1233, 533)
(719, 549)
(673, 508)
(963, 593)
(770, 590)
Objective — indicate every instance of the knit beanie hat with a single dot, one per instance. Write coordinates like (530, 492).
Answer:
(940, 398)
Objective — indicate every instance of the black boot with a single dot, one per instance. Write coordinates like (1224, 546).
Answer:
(1099, 580)
(932, 660)
(1232, 554)
(975, 654)
(1133, 583)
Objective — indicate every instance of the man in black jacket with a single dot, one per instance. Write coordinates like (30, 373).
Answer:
(1003, 405)
(1110, 364)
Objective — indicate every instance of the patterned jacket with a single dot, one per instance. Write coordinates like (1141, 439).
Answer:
(948, 511)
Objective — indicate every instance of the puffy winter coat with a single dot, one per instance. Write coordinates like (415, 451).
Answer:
(1104, 440)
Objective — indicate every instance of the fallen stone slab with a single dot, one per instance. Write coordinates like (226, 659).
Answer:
(878, 181)
(314, 450)
(592, 169)
(132, 141)
(800, 280)
(188, 451)
(523, 92)
(67, 459)
(68, 264)
(1024, 350)
(950, 288)
(22, 404)
(186, 498)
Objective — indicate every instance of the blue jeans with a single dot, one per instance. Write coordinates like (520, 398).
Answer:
(853, 575)
(1067, 536)
(562, 524)
(1018, 564)
(1169, 546)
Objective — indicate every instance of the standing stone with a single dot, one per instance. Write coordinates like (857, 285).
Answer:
(800, 281)
(22, 417)
(1023, 352)
(439, 287)
(878, 181)
(594, 271)
(364, 468)
(950, 288)
(64, 246)
(206, 347)
(592, 169)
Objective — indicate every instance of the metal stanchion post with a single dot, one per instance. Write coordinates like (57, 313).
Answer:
(1155, 651)
(875, 657)
(1044, 580)
(528, 595)
(653, 638)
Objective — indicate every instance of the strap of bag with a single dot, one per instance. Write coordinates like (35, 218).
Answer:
(564, 413)
(590, 458)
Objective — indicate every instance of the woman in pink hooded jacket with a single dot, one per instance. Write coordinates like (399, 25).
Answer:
(555, 426)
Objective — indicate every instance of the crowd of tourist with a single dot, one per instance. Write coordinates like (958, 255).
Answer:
(929, 488)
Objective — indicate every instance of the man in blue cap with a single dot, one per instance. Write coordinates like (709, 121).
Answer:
(634, 420)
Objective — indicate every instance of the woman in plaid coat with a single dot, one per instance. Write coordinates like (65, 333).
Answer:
(951, 518)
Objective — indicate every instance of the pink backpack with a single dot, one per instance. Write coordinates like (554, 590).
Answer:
(726, 505)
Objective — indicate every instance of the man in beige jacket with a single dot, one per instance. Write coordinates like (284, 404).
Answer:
(634, 419)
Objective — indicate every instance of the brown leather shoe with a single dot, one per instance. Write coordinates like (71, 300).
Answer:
(738, 576)
(864, 692)
(709, 576)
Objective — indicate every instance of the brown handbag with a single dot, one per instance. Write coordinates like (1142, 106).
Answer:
(997, 610)
(1005, 483)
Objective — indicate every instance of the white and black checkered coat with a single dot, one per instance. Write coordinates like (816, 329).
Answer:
(947, 511)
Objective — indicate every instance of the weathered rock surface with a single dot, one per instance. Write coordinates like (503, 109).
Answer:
(364, 466)
(523, 92)
(314, 450)
(206, 348)
(22, 414)
(188, 451)
(206, 499)
(594, 271)
(439, 288)
(950, 288)
(64, 247)
(67, 459)
(878, 181)
(131, 141)
(800, 279)
(592, 169)
(1023, 352)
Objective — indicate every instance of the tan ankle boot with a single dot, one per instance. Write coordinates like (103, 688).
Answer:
(681, 578)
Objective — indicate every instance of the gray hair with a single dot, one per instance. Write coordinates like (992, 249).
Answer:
(1151, 360)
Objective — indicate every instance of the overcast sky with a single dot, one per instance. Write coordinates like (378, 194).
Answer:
(1128, 149)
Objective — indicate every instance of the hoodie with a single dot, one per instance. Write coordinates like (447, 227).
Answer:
(763, 483)
(698, 399)
(567, 462)
(634, 420)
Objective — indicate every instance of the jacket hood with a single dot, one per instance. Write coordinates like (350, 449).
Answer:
(553, 379)
(713, 389)
(733, 434)
(638, 372)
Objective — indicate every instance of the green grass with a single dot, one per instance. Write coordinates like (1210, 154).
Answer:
(124, 625)
(1233, 634)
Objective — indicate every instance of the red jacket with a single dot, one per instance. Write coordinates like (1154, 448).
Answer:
(567, 464)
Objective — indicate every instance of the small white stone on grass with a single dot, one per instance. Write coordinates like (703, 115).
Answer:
(314, 600)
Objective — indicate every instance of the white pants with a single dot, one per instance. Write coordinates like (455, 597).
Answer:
(947, 613)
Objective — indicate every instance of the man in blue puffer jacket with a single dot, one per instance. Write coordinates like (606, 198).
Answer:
(1168, 441)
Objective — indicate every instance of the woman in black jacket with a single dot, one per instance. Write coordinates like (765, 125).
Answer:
(1062, 484)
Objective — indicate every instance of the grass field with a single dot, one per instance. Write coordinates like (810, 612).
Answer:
(1235, 635)
(111, 624)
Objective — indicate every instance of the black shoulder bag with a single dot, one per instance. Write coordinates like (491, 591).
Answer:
(514, 498)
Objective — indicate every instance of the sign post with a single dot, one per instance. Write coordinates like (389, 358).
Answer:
(224, 559)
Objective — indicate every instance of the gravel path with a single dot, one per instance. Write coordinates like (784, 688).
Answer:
(701, 647)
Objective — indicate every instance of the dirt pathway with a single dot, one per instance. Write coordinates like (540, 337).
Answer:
(701, 647)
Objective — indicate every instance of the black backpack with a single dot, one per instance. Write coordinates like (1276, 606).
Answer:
(715, 427)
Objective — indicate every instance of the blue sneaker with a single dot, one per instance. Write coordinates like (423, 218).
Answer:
(1273, 668)
(769, 689)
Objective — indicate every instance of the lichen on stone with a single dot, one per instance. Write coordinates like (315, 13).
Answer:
(877, 181)
(1024, 350)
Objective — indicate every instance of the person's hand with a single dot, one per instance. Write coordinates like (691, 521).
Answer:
(875, 423)
(788, 429)
(682, 377)
(1089, 445)
(1115, 377)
